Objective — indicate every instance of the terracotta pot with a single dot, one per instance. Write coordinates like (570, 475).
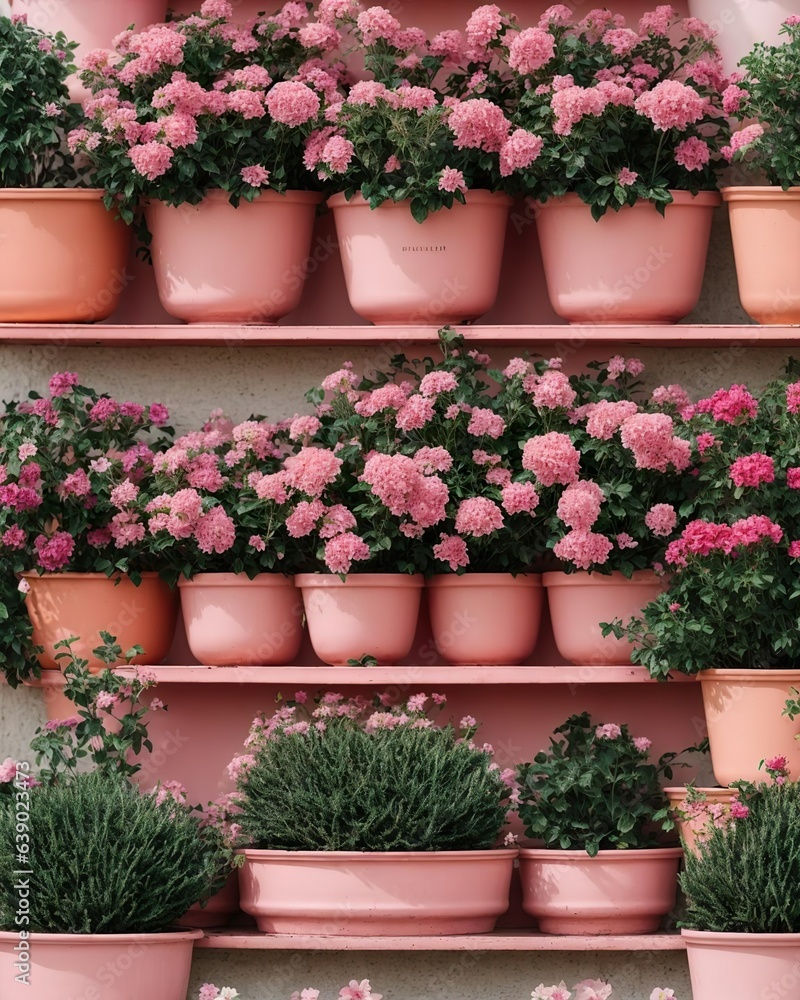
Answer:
(62, 256)
(690, 828)
(762, 966)
(234, 621)
(616, 892)
(485, 618)
(631, 266)
(218, 911)
(765, 227)
(93, 24)
(111, 966)
(218, 264)
(444, 270)
(380, 894)
(580, 601)
(744, 715)
(62, 605)
(368, 614)
(741, 24)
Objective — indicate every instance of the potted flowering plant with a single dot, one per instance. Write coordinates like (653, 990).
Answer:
(416, 853)
(732, 595)
(741, 909)
(421, 177)
(763, 218)
(632, 120)
(595, 801)
(205, 121)
(697, 811)
(71, 461)
(216, 517)
(63, 254)
(143, 859)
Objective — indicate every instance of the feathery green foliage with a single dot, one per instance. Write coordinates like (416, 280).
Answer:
(105, 859)
(744, 878)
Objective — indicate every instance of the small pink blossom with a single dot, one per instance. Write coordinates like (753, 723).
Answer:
(451, 549)
(452, 180)
(626, 177)
(255, 176)
(609, 731)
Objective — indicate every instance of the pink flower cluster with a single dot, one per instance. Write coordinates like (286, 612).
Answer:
(703, 538)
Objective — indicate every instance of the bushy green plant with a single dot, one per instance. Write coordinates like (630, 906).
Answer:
(595, 789)
(34, 106)
(104, 859)
(359, 777)
(743, 877)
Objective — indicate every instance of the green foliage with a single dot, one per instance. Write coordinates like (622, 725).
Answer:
(18, 656)
(744, 876)
(350, 789)
(594, 791)
(104, 859)
(34, 106)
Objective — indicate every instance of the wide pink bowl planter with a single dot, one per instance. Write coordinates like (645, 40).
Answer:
(485, 618)
(745, 720)
(380, 894)
(95, 966)
(631, 266)
(218, 264)
(616, 892)
(750, 966)
(234, 621)
(368, 614)
(689, 829)
(580, 601)
(63, 605)
(444, 270)
(218, 911)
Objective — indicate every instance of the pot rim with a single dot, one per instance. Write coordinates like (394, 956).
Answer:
(703, 199)
(639, 854)
(477, 196)
(307, 581)
(266, 197)
(679, 791)
(739, 937)
(237, 580)
(759, 192)
(31, 574)
(51, 194)
(583, 578)
(532, 580)
(495, 854)
(178, 935)
(746, 675)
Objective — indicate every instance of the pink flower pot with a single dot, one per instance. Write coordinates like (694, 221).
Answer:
(218, 911)
(63, 605)
(580, 601)
(445, 270)
(107, 966)
(93, 24)
(381, 894)
(765, 227)
(62, 256)
(744, 715)
(741, 24)
(690, 829)
(632, 266)
(485, 618)
(616, 892)
(368, 614)
(234, 621)
(750, 966)
(218, 264)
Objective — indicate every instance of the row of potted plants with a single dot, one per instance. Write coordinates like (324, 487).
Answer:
(220, 135)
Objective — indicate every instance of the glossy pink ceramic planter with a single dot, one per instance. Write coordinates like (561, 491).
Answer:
(616, 892)
(444, 270)
(234, 621)
(218, 911)
(631, 266)
(689, 829)
(580, 601)
(218, 264)
(485, 618)
(100, 966)
(349, 892)
(744, 715)
(368, 614)
(750, 966)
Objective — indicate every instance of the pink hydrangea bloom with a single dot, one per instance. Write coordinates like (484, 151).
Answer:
(479, 124)
(255, 176)
(14, 537)
(739, 810)
(516, 366)
(484, 24)
(642, 743)
(377, 23)
(794, 550)
(606, 417)
(76, 484)
(651, 439)
(793, 478)
(692, 153)
(742, 139)
(312, 469)
(621, 40)
(337, 153)
(437, 382)
(437, 459)
(793, 398)
(752, 470)
(530, 50)
(574, 103)
(552, 390)
(732, 98)
(62, 383)
(124, 494)
(661, 519)
(478, 516)
(343, 550)
(485, 422)
(215, 531)
(151, 159)
(415, 413)
(519, 498)
(656, 22)
(583, 548)
(392, 164)
(53, 553)
(579, 505)
(609, 731)
(452, 550)
(126, 529)
(626, 541)
(672, 105)
(387, 397)
(452, 180)
(552, 458)
(292, 103)
(626, 177)
(304, 518)
(734, 405)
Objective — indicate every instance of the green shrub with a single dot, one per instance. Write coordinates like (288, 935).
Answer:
(105, 859)
(362, 782)
(745, 876)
